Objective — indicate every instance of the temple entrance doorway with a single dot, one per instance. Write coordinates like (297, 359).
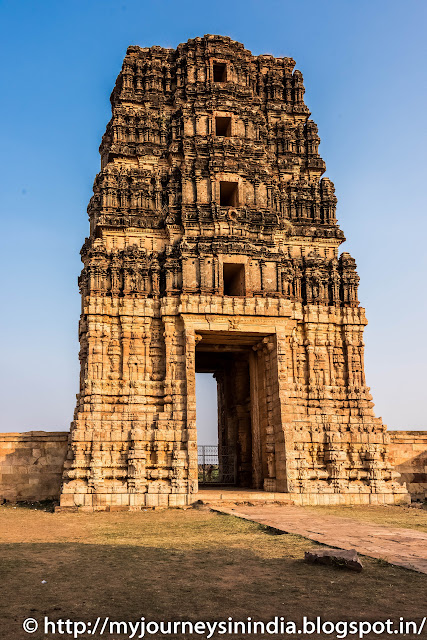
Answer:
(207, 432)
(239, 457)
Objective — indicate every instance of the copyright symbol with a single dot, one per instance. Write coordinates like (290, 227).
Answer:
(30, 625)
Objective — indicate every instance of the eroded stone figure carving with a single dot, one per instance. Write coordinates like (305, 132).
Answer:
(214, 247)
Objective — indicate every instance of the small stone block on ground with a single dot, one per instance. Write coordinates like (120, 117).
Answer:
(345, 559)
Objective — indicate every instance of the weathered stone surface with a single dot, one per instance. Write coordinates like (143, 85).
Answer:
(345, 559)
(408, 455)
(23, 476)
(214, 247)
(31, 465)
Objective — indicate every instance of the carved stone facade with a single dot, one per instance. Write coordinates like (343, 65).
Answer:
(214, 247)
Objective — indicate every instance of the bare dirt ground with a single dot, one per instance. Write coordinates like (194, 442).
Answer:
(176, 565)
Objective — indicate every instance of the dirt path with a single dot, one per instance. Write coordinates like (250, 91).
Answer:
(403, 547)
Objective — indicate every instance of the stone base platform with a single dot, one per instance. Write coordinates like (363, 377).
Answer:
(221, 495)
(236, 495)
(31, 467)
(334, 499)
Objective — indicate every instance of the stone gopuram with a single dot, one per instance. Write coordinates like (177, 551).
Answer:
(213, 247)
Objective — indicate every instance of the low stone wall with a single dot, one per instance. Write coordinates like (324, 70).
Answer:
(31, 465)
(408, 452)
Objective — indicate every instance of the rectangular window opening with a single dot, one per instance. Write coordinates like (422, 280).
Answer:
(223, 126)
(229, 194)
(220, 72)
(234, 279)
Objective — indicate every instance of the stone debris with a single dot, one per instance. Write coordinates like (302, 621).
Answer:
(345, 559)
(199, 505)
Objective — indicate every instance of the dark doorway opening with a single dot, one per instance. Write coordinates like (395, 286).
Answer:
(223, 126)
(230, 461)
(234, 279)
(229, 194)
(244, 366)
(220, 72)
(244, 438)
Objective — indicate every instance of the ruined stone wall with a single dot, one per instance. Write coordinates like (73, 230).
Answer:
(408, 455)
(31, 465)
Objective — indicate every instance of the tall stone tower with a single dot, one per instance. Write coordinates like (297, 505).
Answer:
(214, 247)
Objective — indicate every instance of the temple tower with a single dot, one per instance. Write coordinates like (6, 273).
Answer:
(214, 247)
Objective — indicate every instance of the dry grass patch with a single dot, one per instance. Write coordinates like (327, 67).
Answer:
(180, 565)
(390, 516)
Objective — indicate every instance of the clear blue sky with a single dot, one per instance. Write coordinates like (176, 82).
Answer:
(364, 66)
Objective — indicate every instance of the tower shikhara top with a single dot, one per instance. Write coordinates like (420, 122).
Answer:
(214, 247)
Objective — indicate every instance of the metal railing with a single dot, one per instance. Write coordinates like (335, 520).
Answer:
(216, 464)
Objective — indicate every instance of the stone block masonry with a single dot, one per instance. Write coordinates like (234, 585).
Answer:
(31, 465)
(214, 247)
(408, 455)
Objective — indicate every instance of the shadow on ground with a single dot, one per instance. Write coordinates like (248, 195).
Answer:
(182, 565)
